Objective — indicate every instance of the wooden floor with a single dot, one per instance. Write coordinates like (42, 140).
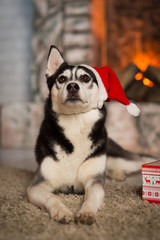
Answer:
(24, 159)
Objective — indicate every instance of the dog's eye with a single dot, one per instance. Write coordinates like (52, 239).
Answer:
(85, 78)
(62, 79)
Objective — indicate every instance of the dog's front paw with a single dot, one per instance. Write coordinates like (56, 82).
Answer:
(85, 218)
(62, 215)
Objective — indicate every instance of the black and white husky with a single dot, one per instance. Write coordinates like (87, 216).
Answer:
(71, 148)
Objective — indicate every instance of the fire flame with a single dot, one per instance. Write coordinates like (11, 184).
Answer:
(139, 76)
(148, 82)
(142, 61)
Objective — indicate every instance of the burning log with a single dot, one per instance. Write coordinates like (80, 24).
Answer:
(154, 74)
(139, 85)
(127, 75)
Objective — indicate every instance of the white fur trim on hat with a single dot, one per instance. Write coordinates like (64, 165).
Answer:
(133, 109)
(103, 95)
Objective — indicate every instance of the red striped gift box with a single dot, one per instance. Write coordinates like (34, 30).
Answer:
(151, 182)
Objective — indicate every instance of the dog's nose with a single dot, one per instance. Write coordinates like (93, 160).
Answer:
(72, 87)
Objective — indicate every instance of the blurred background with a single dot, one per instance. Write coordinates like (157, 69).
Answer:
(122, 34)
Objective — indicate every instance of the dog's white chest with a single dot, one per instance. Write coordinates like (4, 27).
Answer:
(77, 129)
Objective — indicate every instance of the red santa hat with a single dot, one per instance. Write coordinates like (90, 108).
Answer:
(110, 88)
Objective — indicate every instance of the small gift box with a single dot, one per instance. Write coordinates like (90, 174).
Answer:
(151, 182)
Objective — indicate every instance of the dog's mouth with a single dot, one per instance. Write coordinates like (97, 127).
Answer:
(73, 99)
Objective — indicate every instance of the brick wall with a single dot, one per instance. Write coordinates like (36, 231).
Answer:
(66, 24)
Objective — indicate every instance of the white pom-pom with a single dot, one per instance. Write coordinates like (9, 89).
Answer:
(133, 109)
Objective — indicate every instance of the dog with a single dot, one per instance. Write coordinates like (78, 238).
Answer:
(72, 146)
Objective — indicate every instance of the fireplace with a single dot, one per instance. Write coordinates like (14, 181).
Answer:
(141, 80)
(132, 43)
(133, 52)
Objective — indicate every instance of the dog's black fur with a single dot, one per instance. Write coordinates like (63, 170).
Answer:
(51, 132)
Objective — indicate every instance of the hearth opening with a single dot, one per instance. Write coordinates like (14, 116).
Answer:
(141, 79)
(132, 43)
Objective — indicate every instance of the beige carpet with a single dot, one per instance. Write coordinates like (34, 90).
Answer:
(123, 216)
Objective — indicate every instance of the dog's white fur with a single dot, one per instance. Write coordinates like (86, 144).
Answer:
(71, 170)
(77, 128)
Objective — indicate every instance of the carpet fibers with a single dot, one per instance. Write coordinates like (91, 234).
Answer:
(123, 215)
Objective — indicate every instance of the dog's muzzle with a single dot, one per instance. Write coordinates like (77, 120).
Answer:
(73, 89)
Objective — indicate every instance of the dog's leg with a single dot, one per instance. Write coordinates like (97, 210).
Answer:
(121, 162)
(40, 194)
(94, 195)
(92, 176)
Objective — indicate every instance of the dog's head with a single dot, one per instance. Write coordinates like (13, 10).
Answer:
(73, 89)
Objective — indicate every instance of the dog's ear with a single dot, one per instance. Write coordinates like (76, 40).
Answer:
(54, 61)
